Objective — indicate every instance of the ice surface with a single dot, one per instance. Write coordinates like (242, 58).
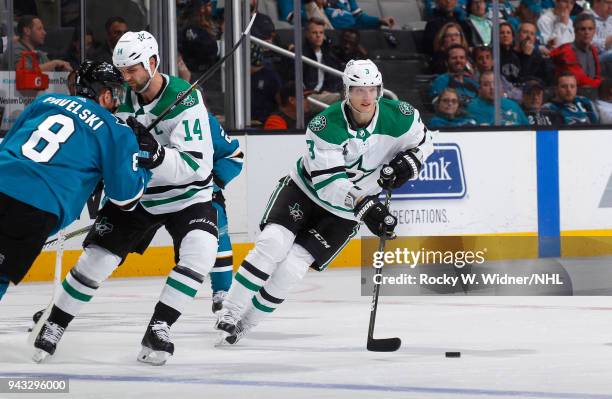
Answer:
(313, 346)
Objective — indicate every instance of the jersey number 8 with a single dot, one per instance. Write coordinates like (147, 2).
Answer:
(53, 139)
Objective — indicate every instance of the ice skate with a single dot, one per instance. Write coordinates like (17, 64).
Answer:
(226, 324)
(241, 330)
(156, 344)
(217, 300)
(46, 341)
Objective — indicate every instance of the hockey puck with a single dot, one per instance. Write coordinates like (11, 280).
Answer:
(453, 354)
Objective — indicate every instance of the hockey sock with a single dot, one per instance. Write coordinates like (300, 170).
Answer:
(286, 276)
(76, 291)
(249, 280)
(181, 287)
(165, 313)
(58, 316)
(221, 273)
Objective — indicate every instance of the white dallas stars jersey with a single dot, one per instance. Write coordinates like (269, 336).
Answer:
(339, 159)
(184, 177)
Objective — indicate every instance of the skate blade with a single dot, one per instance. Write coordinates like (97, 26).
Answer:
(155, 358)
(221, 339)
(39, 355)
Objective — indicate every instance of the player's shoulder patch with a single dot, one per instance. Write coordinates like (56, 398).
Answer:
(329, 125)
(405, 108)
(176, 87)
(396, 117)
(318, 123)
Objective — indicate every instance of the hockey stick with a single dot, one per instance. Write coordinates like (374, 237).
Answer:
(380, 344)
(205, 76)
(57, 280)
(68, 236)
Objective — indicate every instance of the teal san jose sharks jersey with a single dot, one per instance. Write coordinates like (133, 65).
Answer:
(58, 150)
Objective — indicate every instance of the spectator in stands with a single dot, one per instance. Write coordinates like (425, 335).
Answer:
(555, 24)
(285, 117)
(580, 57)
(265, 84)
(482, 109)
(74, 58)
(115, 28)
(32, 34)
(346, 14)
(601, 11)
(449, 35)
(604, 103)
(460, 9)
(480, 26)
(575, 110)
(316, 9)
(350, 47)
(510, 65)
(530, 10)
(457, 77)
(533, 100)
(326, 86)
(483, 62)
(263, 27)
(198, 41)
(506, 12)
(531, 62)
(448, 112)
(443, 14)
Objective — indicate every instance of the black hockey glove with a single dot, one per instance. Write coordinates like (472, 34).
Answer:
(147, 143)
(402, 168)
(376, 216)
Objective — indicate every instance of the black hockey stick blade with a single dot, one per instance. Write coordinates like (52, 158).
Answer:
(384, 344)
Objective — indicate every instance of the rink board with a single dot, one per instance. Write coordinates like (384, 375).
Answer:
(484, 185)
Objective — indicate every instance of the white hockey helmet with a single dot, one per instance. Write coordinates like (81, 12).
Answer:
(137, 48)
(361, 73)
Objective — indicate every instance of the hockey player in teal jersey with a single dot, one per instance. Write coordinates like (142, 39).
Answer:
(316, 210)
(227, 164)
(53, 157)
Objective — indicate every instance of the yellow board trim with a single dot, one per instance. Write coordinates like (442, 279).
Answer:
(158, 261)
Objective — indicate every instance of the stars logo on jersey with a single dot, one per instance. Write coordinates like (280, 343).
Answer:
(356, 172)
(317, 123)
(188, 101)
(295, 212)
(103, 227)
(141, 37)
(405, 108)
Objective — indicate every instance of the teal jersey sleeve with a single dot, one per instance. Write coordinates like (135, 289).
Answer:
(227, 156)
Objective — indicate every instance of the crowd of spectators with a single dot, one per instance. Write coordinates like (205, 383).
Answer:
(555, 57)
(555, 62)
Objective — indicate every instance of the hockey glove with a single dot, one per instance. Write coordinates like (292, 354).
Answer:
(151, 152)
(376, 216)
(402, 168)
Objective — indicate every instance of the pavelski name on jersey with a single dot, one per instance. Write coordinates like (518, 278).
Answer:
(337, 158)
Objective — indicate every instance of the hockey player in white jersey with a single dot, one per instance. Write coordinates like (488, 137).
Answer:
(180, 156)
(316, 210)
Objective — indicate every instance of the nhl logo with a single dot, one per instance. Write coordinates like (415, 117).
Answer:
(405, 108)
(188, 101)
(317, 123)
